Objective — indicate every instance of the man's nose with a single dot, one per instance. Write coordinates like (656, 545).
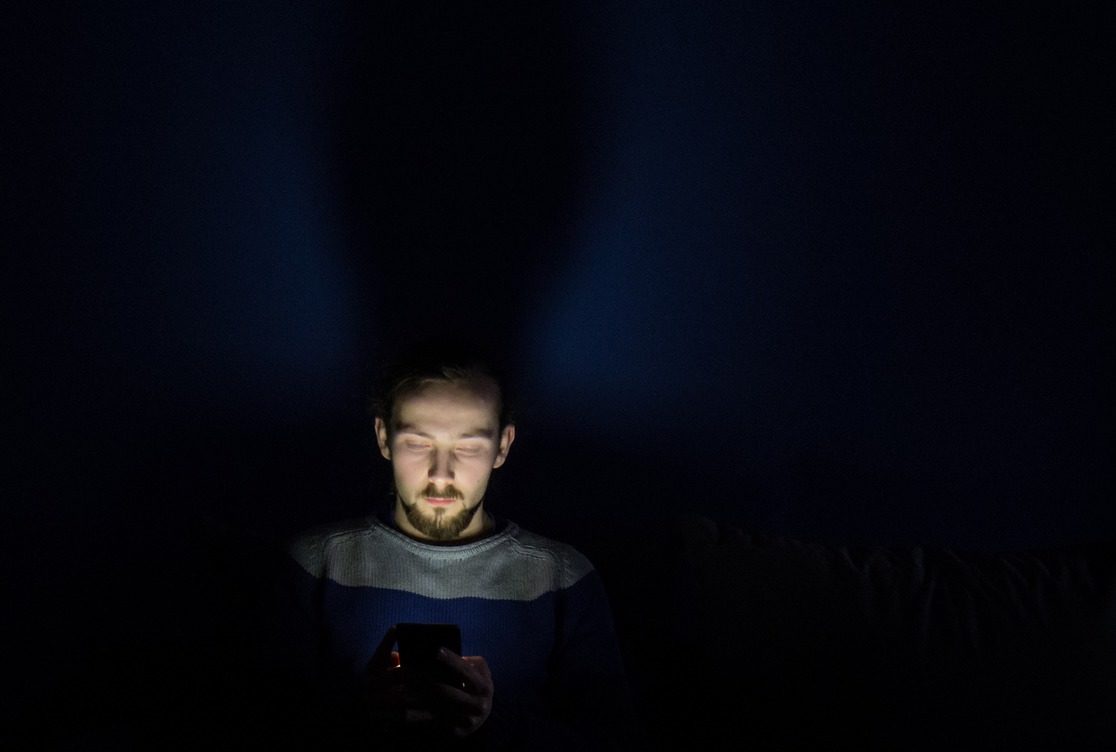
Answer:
(442, 466)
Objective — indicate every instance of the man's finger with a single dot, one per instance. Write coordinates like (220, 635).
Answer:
(458, 697)
(480, 666)
(472, 670)
(477, 676)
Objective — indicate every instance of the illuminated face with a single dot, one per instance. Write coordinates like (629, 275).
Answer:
(444, 445)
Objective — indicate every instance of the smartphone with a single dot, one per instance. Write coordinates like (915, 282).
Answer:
(418, 649)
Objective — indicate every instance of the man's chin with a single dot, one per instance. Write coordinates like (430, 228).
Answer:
(436, 521)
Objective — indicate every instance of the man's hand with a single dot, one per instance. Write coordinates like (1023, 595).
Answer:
(466, 705)
(405, 701)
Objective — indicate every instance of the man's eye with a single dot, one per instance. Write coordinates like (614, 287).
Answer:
(469, 450)
(414, 446)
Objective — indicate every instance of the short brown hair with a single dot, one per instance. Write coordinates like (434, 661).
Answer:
(452, 362)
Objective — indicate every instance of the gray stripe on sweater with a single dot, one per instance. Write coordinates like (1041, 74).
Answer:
(513, 564)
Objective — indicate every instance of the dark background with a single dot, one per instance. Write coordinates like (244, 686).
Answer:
(835, 271)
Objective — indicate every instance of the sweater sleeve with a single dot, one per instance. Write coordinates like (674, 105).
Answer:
(587, 703)
(590, 688)
(297, 701)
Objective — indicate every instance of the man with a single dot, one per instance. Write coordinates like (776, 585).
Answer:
(540, 667)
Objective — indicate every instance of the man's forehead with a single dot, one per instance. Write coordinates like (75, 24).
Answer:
(448, 406)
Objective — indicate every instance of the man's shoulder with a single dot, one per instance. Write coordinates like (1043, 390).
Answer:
(572, 565)
(311, 547)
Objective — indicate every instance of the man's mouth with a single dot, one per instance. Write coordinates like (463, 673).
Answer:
(440, 497)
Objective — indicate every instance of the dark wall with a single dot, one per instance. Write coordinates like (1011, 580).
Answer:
(835, 271)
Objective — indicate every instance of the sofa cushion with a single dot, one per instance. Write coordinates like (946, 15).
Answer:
(802, 641)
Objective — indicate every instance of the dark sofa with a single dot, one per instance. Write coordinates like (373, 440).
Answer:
(732, 641)
(777, 643)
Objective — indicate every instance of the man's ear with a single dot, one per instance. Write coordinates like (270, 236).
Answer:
(507, 436)
(382, 438)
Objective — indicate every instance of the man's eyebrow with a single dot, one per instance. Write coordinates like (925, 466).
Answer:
(479, 433)
(476, 433)
(408, 428)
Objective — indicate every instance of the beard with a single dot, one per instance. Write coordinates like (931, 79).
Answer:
(444, 525)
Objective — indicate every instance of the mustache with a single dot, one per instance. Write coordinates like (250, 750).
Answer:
(449, 492)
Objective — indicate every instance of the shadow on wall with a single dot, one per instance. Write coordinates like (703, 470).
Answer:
(459, 151)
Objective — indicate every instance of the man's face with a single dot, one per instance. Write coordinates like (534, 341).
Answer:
(445, 444)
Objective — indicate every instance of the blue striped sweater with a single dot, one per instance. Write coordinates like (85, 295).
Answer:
(534, 608)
